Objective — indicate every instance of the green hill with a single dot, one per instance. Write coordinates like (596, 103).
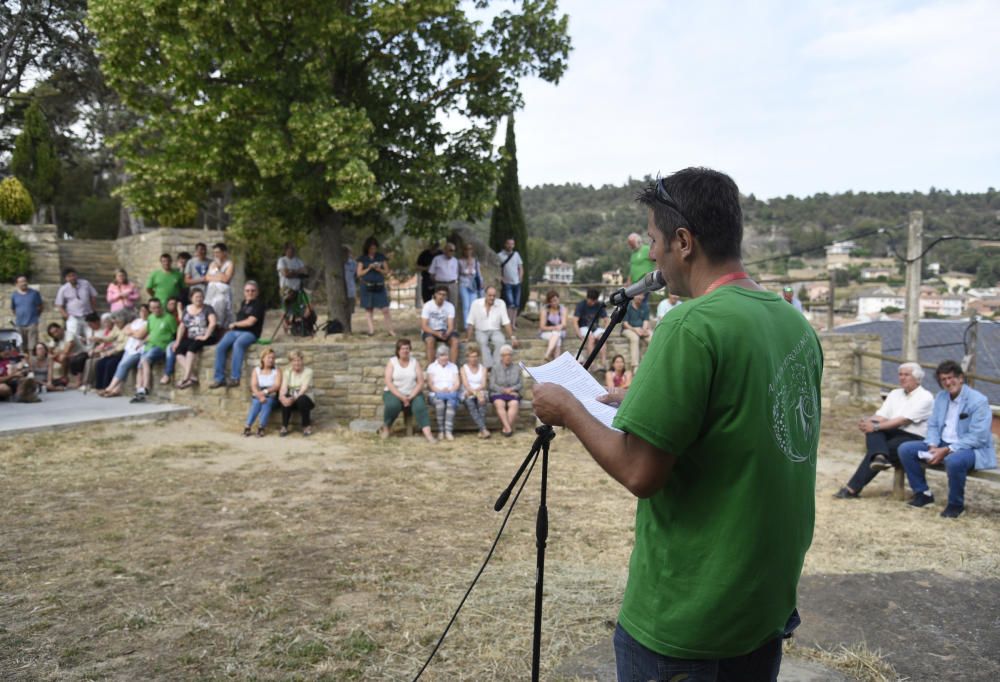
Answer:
(571, 221)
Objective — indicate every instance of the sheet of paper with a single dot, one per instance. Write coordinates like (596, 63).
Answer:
(571, 375)
(924, 455)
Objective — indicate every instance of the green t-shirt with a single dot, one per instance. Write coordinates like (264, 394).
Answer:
(731, 387)
(639, 263)
(165, 284)
(162, 331)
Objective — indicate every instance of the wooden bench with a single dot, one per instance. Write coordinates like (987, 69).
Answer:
(899, 480)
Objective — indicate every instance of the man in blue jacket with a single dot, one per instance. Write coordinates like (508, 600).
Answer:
(958, 434)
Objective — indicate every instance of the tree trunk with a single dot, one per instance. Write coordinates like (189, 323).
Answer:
(331, 239)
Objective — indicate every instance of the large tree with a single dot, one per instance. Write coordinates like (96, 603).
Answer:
(323, 114)
(34, 162)
(507, 219)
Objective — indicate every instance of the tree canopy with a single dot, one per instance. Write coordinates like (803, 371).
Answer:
(507, 218)
(321, 115)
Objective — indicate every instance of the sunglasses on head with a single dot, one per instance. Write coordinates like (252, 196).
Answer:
(663, 196)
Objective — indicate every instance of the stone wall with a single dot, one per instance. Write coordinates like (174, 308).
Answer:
(839, 366)
(348, 379)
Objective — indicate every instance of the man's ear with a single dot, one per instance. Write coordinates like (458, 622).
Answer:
(685, 242)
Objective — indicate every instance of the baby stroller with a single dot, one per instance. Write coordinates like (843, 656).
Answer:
(10, 339)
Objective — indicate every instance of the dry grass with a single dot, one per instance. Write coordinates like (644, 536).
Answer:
(859, 662)
(184, 551)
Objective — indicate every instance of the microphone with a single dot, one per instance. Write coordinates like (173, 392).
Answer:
(651, 282)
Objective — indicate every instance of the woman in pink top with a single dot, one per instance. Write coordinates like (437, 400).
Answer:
(122, 294)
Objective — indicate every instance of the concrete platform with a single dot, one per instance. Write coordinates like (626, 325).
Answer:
(71, 409)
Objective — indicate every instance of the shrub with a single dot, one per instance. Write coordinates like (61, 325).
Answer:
(14, 258)
(16, 205)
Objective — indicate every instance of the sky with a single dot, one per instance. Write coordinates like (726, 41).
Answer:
(787, 97)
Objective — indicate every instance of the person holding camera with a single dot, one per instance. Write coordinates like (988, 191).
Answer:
(373, 273)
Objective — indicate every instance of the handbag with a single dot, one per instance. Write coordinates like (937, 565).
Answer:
(478, 278)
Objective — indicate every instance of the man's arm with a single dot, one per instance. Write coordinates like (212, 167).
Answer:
(639, 466)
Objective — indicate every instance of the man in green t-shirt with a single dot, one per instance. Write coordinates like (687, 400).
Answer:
(718, 437)
(161, 332)
(639, 264)
(166, 282)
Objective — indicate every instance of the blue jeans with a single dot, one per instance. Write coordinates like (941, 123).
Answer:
(512, 295)
(168, 367)
(239, 341)
(153, 354)
(261, 408)
(128, 362)
(636, 663)
(468, 295)
(957, 465)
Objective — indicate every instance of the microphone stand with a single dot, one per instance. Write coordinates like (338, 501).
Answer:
(545, 434)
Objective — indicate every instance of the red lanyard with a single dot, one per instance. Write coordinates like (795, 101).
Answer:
(725, 279)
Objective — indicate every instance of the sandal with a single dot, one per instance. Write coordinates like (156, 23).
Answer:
(246, 430)
(307, 431)
(283, 432)
(260, 431)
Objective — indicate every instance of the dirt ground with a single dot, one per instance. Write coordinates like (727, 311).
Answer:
(185, 551)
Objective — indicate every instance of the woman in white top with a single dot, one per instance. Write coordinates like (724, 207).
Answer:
(218, 293)
(404, 386)
(136, 333)
(474, 388)
(264, 386)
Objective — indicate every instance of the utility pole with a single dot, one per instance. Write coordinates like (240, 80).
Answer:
(970, 359)
(911, 315)
(833, 300)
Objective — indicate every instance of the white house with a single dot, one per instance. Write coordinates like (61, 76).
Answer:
(558, 271)
(872, 302)
(945, 306)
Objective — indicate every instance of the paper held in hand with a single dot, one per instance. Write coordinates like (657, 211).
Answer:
(571, 375)
(925, 455)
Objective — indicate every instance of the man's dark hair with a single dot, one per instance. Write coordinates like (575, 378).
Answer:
(710, 203)
(53, 325)
(154, 299)
(221, 247)
(167, 256)
(441, 287)
(948, 367)
(66, 271)
(91, 317)
(184, 254)
(593, 294)
(19, 276)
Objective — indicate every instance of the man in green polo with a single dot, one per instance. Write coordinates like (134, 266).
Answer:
(639, 264)
(717, 437)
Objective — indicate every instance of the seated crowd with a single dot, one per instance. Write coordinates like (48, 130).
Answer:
(914, 429)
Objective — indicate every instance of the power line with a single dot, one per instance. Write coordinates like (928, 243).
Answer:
(943, 238)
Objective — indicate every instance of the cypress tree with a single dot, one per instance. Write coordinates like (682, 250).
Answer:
(34, 160)
(507, 219)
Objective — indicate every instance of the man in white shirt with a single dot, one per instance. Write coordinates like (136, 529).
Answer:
(511, 276)
(666, 305)
(291, 272)
(437, 323)
(444, 271)
(902, 417)
(486, 319)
